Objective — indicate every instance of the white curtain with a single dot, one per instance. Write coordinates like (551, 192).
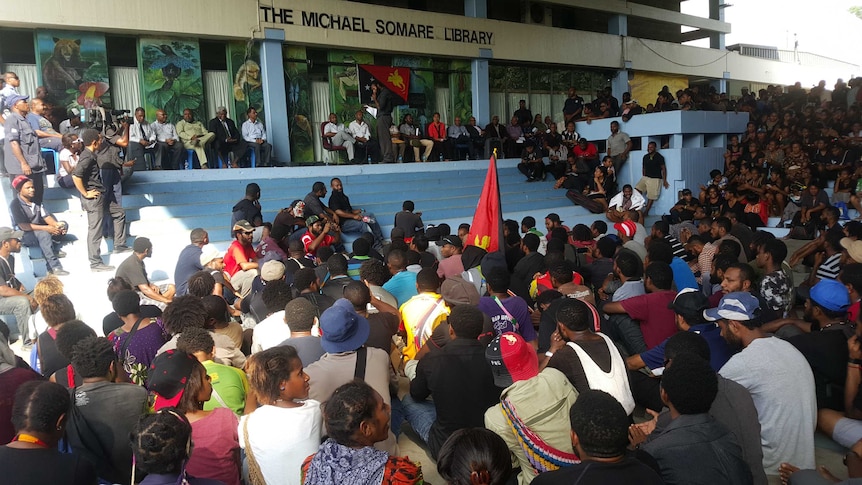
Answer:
(513, 99)
(443, 105)
(540, 103)
(558, 100)
(125, 87)
(217, 89)
(27, 74)
(320, 107)
(498, 106)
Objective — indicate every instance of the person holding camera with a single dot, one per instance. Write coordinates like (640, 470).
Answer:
(39, 226)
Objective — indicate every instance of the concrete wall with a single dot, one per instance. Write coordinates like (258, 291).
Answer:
(697, 145)
(229, 19)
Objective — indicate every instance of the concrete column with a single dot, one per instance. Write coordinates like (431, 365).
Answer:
(479, 67)
(620, 84)
(479, 88)
(618, 25)
(476, 8)
(275, 94)
(716, 12)
(720, 85)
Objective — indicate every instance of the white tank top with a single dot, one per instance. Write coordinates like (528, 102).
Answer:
(615, 382)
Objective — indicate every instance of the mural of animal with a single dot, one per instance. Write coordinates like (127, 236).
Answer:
(64, 69)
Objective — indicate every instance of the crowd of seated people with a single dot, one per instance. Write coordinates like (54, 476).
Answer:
(681, 350)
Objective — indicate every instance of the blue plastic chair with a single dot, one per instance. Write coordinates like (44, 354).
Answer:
(56, 158)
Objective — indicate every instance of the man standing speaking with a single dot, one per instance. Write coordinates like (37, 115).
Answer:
(383, 97)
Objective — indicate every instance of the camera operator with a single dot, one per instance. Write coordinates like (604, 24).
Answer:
(113, 171)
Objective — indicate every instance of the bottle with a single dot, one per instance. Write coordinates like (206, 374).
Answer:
(400, 159)
(441, 156)
(369, 159)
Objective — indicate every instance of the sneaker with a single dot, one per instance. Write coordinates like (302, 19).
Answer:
(27, 346)
(59, 272)
(61, 254)
(102, 267)
(122, 249)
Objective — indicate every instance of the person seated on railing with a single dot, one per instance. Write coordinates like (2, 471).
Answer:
(630, 107)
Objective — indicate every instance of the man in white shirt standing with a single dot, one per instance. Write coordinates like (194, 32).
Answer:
(142, 140)
(362, 136)
(254, 134)
(169, 152)
(339, 136)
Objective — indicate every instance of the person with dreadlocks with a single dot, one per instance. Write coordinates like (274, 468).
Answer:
(179, 380)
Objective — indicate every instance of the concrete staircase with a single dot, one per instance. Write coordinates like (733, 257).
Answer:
(165, 206)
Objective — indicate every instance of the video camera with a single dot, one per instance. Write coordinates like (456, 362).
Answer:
(100, 119)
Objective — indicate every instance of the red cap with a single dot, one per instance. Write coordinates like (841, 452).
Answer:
(512, 359)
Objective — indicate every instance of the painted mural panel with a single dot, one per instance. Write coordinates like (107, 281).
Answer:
(74, 68)
(171, 77)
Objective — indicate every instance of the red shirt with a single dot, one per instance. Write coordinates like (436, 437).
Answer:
(657, 321)
(590, 152)
(437, 131)
(309, 238)
(231, 265)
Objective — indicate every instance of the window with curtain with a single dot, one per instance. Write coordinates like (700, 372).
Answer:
(217, 89)
(125, 87)
(442, 105)
(27, 74)
(320, 107)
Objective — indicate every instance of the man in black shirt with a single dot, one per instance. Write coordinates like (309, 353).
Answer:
(248, 208)
(599, 437)
(88, 181)
(654, 176)
(385, 104)
(353, 220)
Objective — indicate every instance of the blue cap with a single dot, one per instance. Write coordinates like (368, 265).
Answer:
(831, 295)
(740, 306)
(342, 329)
(13, 100)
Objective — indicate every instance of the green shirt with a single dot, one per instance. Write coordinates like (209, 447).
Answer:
(230, 384)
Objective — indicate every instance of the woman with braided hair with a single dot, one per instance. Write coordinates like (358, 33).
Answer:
(286, 428)
(357, 417)
(39, 416)
(162, 446)
(178, 379)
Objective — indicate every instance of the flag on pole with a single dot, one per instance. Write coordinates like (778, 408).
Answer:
(486, 231)
(397, 79)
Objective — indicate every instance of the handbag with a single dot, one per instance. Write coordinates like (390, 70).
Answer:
(255, 475)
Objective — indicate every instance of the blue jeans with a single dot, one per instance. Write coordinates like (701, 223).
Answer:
(396, 416)
(420, 414)
(352, 226)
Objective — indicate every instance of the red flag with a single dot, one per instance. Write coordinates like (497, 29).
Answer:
(397, 79)
(486, 231)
